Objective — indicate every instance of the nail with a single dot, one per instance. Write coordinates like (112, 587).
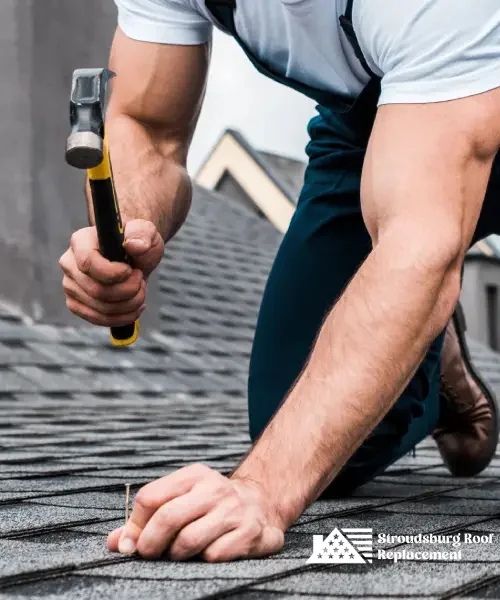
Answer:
(127, 502)
(142, 309)
(126, 546)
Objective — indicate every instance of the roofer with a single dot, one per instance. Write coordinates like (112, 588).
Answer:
(403, 176)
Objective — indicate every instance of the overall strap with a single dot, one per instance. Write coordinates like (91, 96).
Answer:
(223, 12)
(348, 27)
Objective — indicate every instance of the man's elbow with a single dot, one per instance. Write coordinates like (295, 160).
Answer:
(439, 264)
(427, 261)
(439, 251)
(448, 297)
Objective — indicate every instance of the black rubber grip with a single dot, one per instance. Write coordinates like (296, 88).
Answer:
(110, 235)
(124, 333)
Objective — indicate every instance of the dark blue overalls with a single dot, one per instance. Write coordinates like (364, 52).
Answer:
(326, 243)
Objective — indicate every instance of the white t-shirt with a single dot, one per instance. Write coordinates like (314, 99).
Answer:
(424, 50)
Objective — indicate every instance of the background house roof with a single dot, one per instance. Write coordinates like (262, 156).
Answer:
(285, 172)
(234, 168)
(79, 419)
(289, 171)
(487, 249)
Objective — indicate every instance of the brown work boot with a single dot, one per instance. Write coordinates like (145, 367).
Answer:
(467, 429)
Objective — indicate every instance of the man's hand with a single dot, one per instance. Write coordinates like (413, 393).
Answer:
(196, 510)
(107, 293)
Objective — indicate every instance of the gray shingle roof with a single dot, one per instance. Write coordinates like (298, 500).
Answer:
(212, 280)
(79, 419)
(289, 171)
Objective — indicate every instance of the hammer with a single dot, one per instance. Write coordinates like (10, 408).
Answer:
(87, 148)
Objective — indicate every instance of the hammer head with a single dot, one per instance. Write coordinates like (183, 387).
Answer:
(84, 149)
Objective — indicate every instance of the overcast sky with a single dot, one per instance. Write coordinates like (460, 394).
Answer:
(271, 117)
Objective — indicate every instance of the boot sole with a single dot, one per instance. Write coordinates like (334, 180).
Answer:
(461, 328)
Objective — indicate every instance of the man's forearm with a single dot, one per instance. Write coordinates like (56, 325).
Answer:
(150, 177)
(422, 194)
(368, 349)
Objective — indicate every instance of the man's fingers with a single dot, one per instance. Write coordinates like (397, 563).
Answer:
(155, 494)
(230, 546)
(245, 542)
(199, 534)
(100, 304)
(85, 247)
(113, 537)
(140, 234)
(144, 244)
(95, 318)
(118, 292)
(72, 289)
(272, 540)
(171, 519)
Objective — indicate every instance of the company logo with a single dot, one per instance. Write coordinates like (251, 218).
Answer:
(355, 546)
(343, 546)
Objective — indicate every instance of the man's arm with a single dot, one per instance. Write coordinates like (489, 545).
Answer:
(154, 106)
(424, 183)
(150, 121)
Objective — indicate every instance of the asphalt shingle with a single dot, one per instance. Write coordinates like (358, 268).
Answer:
(80, 419)
(385, 579)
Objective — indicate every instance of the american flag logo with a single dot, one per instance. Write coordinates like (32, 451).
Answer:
(343, 546)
